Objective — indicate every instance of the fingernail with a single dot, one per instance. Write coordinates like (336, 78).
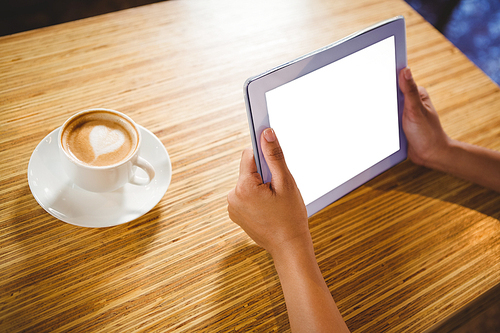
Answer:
(269, 135)
(407, 73)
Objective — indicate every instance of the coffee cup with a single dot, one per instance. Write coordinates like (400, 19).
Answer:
(99, 150)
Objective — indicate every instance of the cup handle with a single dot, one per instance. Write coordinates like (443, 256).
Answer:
(146, 166)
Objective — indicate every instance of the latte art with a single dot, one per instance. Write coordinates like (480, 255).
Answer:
(99, 139)
(104, 140)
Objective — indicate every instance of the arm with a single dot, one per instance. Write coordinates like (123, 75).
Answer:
(428, 144)
(310, 305)
(275, 217)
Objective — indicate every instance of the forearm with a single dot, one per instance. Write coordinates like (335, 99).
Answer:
(473, 163)
(310, 305)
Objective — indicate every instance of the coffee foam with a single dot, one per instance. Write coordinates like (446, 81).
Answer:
(105, 140)
(99, 138)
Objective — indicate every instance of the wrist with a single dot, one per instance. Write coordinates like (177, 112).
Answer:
(294, 252)
(442, 155)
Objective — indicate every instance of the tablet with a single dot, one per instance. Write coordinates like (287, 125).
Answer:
(336, 112)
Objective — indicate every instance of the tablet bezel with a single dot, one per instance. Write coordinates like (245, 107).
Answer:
(256, 87)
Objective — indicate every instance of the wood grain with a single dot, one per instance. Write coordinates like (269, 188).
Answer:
(399, 254)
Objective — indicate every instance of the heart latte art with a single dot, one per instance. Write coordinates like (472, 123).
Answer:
(99, 139)
(105, 140)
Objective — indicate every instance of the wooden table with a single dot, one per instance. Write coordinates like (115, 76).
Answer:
(399, 254)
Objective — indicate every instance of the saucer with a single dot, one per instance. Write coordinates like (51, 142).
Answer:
(64, 200)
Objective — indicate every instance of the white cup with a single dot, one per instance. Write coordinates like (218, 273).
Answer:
(112, 175)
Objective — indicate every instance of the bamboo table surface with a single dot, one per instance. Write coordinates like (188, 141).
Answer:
(400, 253)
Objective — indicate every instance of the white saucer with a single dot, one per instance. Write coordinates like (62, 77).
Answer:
(62, 199)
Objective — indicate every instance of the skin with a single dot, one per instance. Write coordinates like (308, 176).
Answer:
(275, 217)
(429, 146)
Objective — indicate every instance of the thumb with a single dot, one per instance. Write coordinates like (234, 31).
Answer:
(409, 89)
(274, 157)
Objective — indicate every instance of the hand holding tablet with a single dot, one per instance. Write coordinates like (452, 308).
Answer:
(274, 216)
(272, 212)
(337, 113)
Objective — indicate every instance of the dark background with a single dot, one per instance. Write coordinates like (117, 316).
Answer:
(22, 15)
(472, 25)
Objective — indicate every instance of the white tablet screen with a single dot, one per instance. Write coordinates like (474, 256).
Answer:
(350, 107)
